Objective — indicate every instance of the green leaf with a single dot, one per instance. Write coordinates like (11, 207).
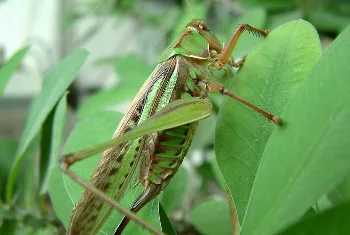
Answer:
(10, 67)
(174, 193)
(270, 75)
(333, 221)
(7, 153)
(55, 84)
(27, 178)
(212, 217)
(309, 155)
(167, 227)
(55, 138)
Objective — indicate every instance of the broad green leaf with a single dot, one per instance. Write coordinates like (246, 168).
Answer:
(168, 117)
(270, 75)
(10, 67)
(212, 217)
(334, 221)
(309, 155)
(167, 227)
(174, 193)
(56, 137)
(55, 84)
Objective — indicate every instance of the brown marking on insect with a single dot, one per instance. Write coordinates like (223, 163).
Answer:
(113, 171)
(106, 186)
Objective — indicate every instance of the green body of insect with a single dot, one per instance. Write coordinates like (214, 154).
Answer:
(157, 156)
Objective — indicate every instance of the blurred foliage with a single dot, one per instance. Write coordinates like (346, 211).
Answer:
(277, 174)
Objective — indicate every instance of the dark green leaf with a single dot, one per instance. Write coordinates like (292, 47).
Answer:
(55, 138)
(7, 153)
(167, 227)
(309, 155)
(270, 75)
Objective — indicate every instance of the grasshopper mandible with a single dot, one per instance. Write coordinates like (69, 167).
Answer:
(179, 83)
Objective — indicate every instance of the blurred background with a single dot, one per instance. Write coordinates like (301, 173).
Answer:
(125, 39)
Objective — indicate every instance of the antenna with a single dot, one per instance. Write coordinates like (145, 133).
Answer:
(189, 7)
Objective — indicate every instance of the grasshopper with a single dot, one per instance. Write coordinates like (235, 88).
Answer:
(157, 129)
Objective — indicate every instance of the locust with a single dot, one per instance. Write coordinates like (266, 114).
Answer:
(156, 131)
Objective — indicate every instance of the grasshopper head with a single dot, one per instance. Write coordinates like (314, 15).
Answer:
(204, 31)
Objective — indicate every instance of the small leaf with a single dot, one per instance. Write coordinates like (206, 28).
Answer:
(55, 84)
(10, 67)
(212, 217)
